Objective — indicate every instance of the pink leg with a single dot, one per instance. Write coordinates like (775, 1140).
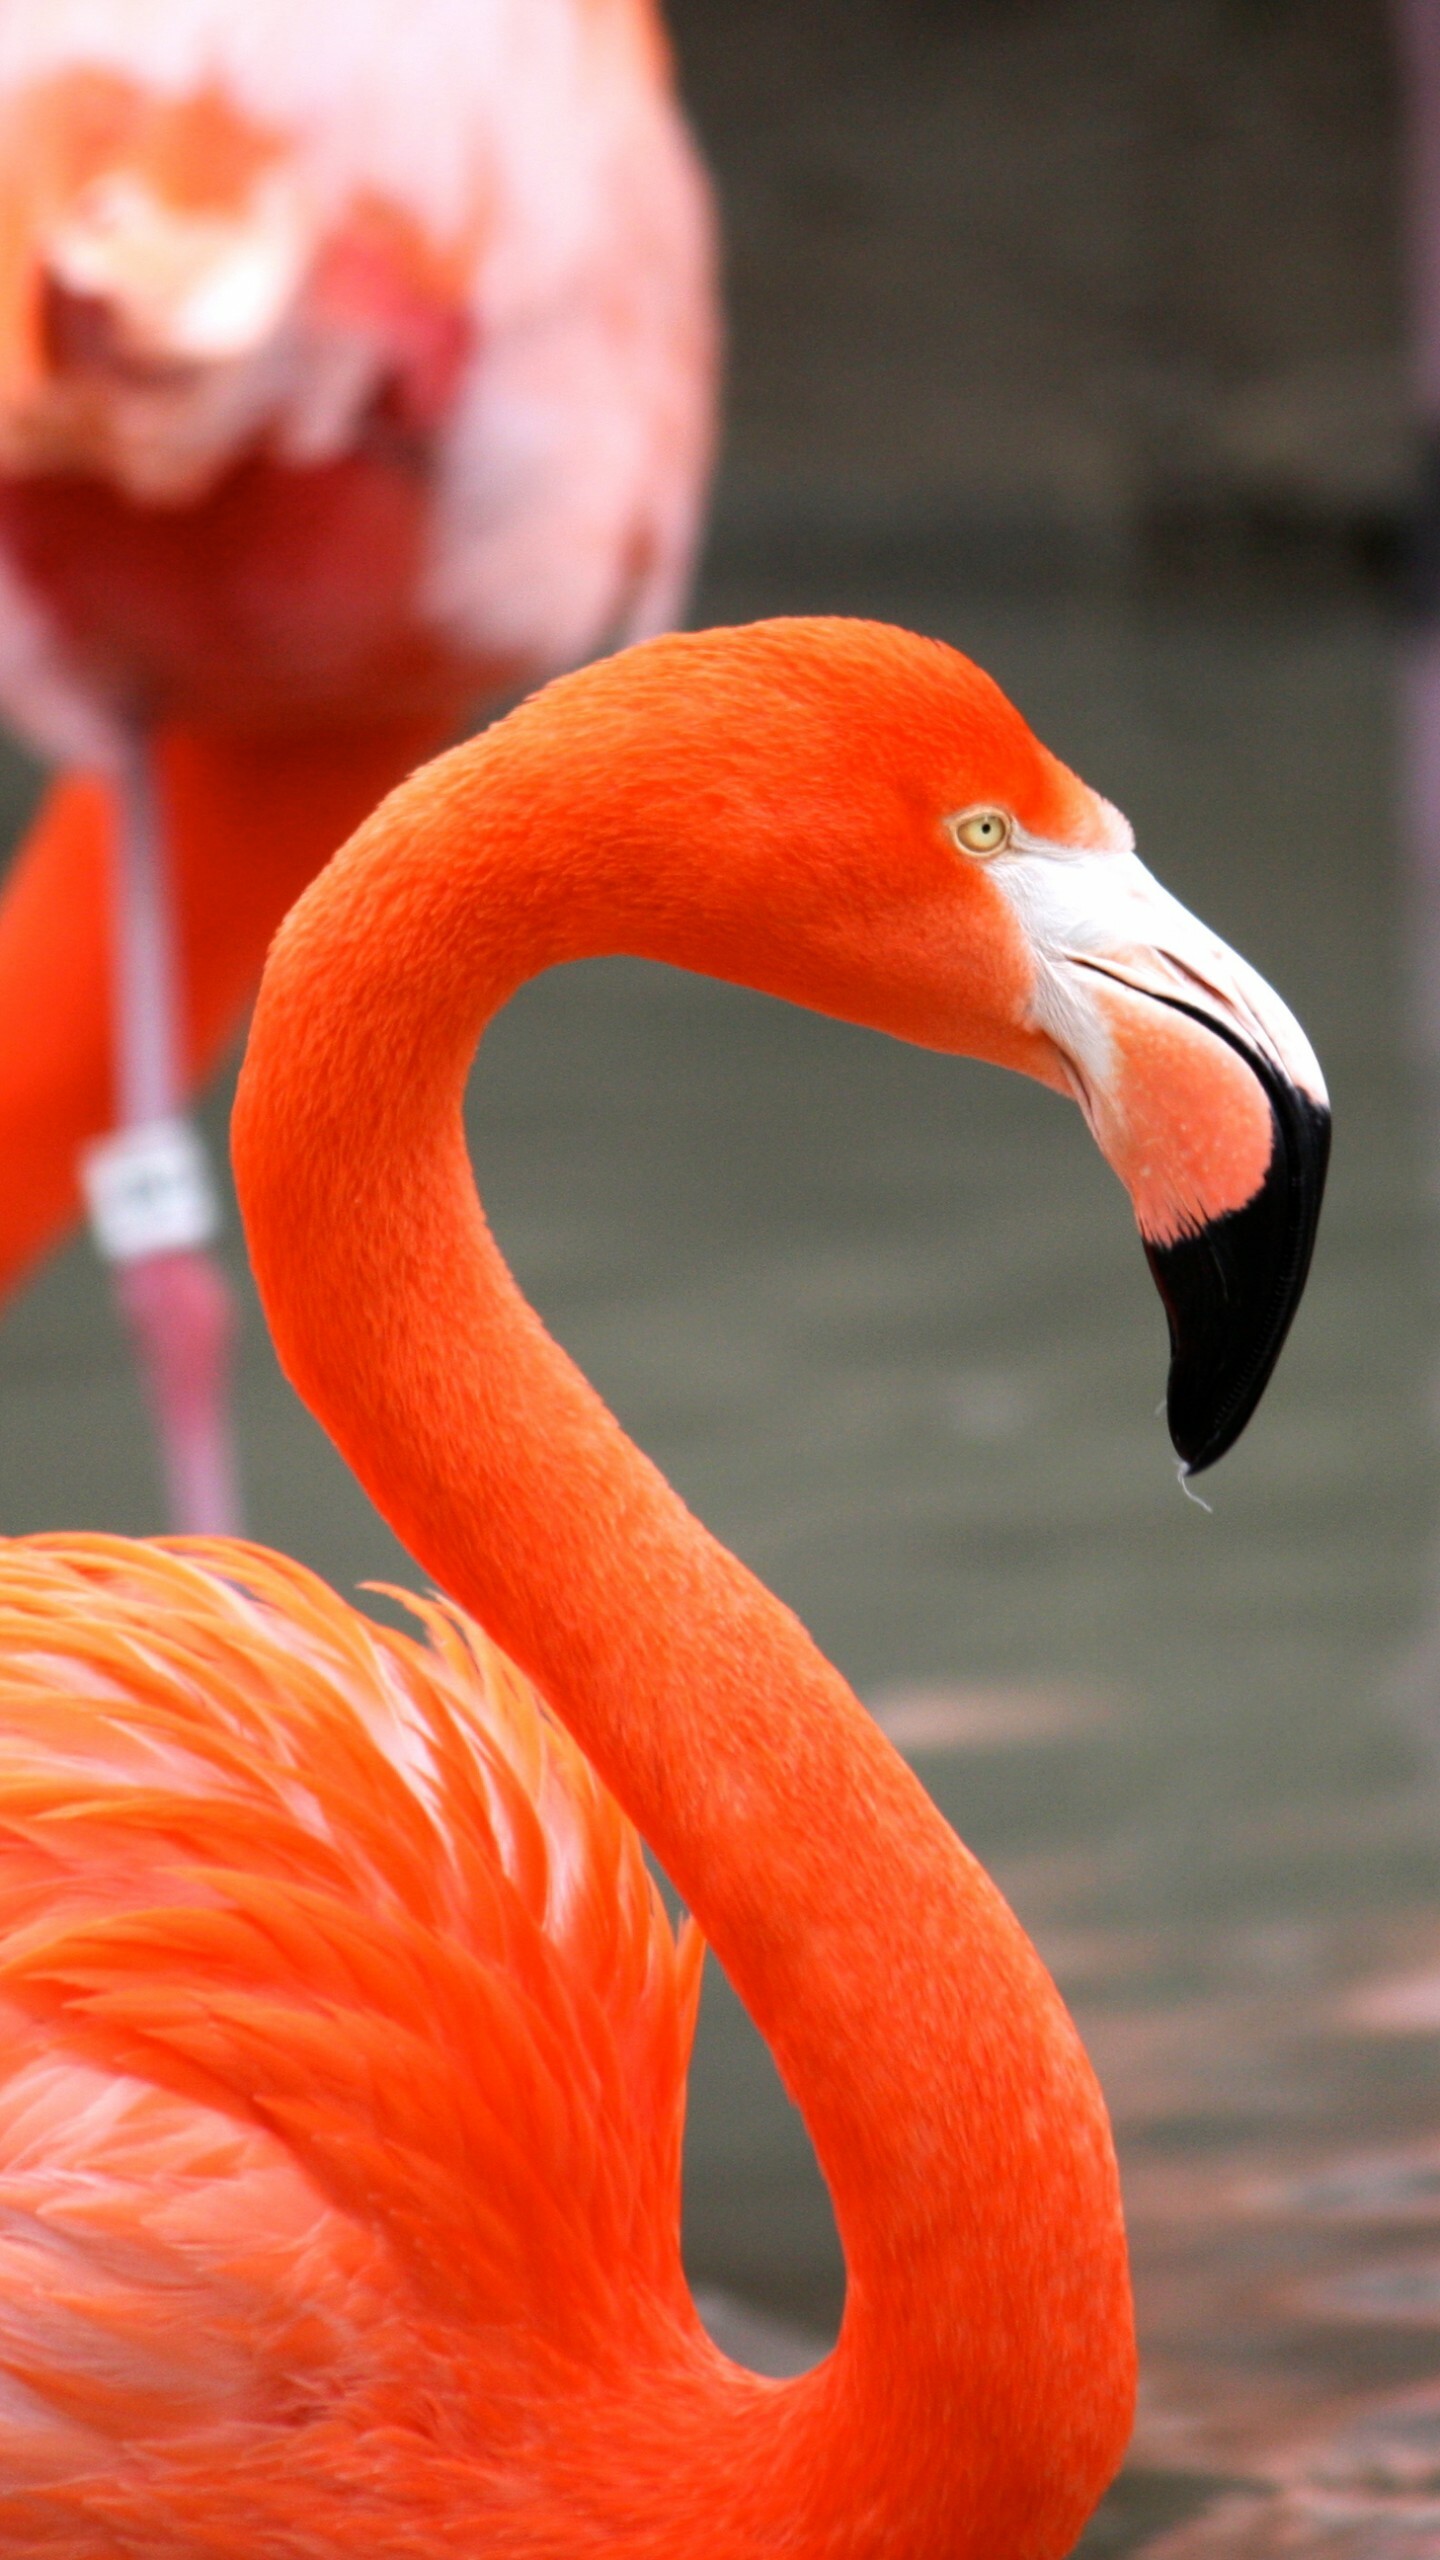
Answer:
(178, 1310)
(151, 1200)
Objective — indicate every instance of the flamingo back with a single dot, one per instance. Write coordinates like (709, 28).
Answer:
(342, 2051)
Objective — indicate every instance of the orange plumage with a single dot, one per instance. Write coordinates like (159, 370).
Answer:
(342, 2052)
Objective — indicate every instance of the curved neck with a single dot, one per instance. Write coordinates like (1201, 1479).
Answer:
(950, 2104)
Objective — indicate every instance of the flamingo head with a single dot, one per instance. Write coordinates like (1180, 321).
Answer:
(905, 853)
(1199, 1085)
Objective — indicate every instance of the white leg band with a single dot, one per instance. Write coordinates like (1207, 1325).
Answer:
(148, 1190)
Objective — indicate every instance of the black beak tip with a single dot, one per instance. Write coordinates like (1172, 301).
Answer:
(1231, 1289)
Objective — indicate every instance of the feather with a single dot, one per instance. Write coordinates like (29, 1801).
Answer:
(342, 2039)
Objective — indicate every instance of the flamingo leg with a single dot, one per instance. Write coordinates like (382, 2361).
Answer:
(151, 1197)
(244, 825)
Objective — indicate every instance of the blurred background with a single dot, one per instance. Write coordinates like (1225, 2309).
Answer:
(1072, 331)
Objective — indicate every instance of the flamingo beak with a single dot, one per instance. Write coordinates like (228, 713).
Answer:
(1205, 1095)
(1230, 1287)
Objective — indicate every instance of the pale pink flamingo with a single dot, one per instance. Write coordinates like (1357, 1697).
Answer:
(356, 369)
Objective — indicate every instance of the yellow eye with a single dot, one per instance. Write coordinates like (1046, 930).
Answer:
(982, 830)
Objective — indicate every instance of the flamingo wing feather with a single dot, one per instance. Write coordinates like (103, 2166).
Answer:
(342, 2050)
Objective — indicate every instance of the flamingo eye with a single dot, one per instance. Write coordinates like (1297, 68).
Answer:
(982, 830)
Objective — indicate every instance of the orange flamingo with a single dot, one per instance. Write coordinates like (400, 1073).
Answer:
(355, 366)
(342, 2034)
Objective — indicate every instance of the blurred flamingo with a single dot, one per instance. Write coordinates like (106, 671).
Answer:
(355, 368)
(342, 2032)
